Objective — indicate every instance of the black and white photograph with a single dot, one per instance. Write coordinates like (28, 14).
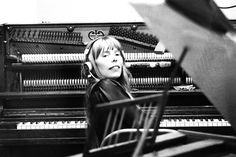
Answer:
(127, 78)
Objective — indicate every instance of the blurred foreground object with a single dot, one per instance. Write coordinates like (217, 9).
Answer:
(211, 59)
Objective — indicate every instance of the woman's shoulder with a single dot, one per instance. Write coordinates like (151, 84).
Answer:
(109, 88)
(106, 85)
(107, 82)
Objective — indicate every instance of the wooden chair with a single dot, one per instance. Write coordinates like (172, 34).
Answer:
(116, 136)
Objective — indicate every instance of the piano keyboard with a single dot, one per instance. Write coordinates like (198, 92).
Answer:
(83, 124)
(52, 125)
(194, 123)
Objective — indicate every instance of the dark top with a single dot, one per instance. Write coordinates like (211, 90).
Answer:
(106, 90)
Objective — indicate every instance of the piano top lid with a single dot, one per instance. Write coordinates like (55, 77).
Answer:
(210, 60)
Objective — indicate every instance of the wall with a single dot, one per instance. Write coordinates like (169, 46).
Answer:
(74, 11)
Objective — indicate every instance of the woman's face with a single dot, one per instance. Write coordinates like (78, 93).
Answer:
(110, 63)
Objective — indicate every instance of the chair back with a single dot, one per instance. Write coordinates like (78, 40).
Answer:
(127, 120)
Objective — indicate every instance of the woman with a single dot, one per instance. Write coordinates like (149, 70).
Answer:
(108, 81)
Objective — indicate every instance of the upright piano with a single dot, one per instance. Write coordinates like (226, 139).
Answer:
(42, 88)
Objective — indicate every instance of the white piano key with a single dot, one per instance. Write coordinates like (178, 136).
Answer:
(58, 125)
(27, 125)
(19, 126)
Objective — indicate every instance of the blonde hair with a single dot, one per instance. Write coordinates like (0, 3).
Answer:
(93, 50)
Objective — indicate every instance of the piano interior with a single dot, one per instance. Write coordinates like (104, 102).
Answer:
(42, 87)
